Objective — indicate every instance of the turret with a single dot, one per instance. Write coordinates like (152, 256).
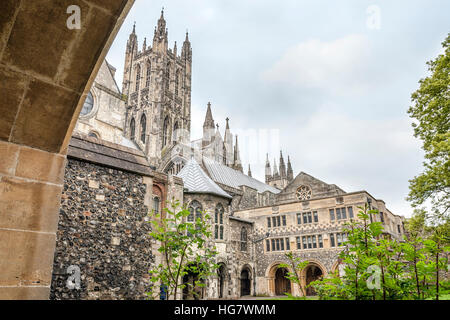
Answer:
(130, 53)
(228, 141)
(186, 51)
(268, 170)
(290, 172)
(161, 35)
(237, 165)
(249, 171)
(208, 127)
(275, 175)
(282, 166)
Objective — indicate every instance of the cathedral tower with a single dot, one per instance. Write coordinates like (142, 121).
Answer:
(157, 88)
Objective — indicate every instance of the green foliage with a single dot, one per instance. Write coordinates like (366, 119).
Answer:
(376, 267)
(297, 266)
(185, 248)
(431, 110)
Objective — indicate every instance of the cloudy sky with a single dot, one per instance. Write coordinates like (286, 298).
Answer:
(328, 82)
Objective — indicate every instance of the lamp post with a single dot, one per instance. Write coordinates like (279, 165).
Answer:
(254, 259)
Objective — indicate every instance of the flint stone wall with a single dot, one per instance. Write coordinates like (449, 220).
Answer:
(103, 230)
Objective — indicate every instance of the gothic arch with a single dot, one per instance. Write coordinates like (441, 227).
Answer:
(143, 127)
(166, 131)
(132, 129)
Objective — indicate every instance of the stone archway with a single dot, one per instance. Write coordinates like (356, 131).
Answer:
(47, 70)
(282, 285)
(222, 281)
(312, 273)
(245, 282)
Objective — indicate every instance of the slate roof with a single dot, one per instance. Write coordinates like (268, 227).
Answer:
(225, 175)
(196, 180)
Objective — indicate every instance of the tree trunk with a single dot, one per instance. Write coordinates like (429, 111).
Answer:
(437, 272)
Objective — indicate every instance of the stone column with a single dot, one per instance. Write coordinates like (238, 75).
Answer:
(31, 182)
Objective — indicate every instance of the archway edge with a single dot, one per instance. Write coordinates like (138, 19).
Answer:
(47, 70)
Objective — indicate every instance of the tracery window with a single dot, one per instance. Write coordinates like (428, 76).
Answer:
(88, 104)
(168, 76)
(138, 77)
(243, 239)
(143, 127)
(149, 75)
(218, 222)
(132, 129)
(195, 211)
(166, 131)
(303, 193)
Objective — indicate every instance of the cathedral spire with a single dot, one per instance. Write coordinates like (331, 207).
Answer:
(237, 157)
(275, 169)
(161, 34)
(290, 172)
(282, 166)
(268, 170)
(228, 141)
(186, 51)
(208, 127)
(249, 171)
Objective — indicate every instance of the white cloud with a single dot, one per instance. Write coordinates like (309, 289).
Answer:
(340, 66)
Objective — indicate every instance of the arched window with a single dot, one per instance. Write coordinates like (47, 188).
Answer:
(166, 131)
(149, 75)
(167, 76)
(177, 79)
(156, 204)
(243, 239)
(132, 129)
(195, 212)
(93, 134)
(138, 76)
(175, 132)
(143, 127)
(218, 222)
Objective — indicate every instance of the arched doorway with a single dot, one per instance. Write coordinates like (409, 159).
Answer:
(245, 282)
(282, 285)
(312, 273)
(222, 272)
(191, 291)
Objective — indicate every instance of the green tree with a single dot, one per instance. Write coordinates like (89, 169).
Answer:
(185, 248)
(297, 266)
(431, 110)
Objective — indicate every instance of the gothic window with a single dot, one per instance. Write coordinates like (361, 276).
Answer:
(149, 75)
(331, 214)
(218, 221)
(316, 217)
(156, 202)
(175, 132)
(167, 76)
(143, 127)
(88, 104)
(320, 241)
(177, 80)
(195, 211)
(138, 76)
(299, 244)
(243, 239)
(92, 134)
(303, 193)
(288, 244)
(350, 212)
(166, 131)
(132, 129)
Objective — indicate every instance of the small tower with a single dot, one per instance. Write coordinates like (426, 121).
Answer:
(275, 174)
(208, 127)
(130, 53)
(249, 171)
(290, 172)
(228, 141)
(237, 165)
(282, 167)
(268, 170)
(161, 36)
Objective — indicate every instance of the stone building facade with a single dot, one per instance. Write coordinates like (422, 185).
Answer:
(144, 158)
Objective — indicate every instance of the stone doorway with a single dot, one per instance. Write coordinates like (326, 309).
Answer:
(313, 273)
(222, 272)
(282, 285)
(191, 291)
(245, 283)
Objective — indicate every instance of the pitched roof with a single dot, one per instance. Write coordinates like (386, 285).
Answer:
(222, 174)
(197, 181)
